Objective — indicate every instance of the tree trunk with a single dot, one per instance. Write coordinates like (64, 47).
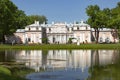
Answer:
(115, 34)
(114, 39)
(3, 38)
(97, 58)
(96, 35)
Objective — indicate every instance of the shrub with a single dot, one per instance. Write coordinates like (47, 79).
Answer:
(5, 71)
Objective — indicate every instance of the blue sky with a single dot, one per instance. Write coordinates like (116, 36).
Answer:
(62, 10)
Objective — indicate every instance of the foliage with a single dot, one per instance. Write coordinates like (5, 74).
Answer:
(4, 70)
(108, 72)
(115, 19)
(13, 73)
(32, 18)
(93, 12)
(98, 18)
(11, 18)
(45, 40)
(105, 71)
(70, 40)
(21, 19)
(19, 71)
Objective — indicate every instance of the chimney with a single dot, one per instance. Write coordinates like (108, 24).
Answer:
(37, 22)
(82, 22)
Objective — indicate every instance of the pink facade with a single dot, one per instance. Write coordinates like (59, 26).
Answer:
(62, 32)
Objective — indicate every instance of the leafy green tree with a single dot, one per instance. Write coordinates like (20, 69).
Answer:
(109, 18)
(70, 40)
(114, 21)
(20, 19)
(7, 12)
(45, 40)
(11, 18)
(105, 17)
(115, 17)
(93, 12)
(41, 19)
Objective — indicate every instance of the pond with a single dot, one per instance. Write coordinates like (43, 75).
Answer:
(66, 64)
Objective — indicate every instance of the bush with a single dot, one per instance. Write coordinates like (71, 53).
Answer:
(7, 74)
(5, 71)
(70, 41)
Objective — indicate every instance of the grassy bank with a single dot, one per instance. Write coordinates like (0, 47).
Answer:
(62, 46)
(13, 73)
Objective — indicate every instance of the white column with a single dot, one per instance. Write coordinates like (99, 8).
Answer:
(64, 38)
(60, 39)
(56, 38)
(23, 39)
(34, 38)
(103, 37)
(89, 37)
(26, 38)
(40, 38)
(51, 39)
(31, 38)
(84, 37)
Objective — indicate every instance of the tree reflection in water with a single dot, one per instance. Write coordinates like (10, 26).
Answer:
(106, 72)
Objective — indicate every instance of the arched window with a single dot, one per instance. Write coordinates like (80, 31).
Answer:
(86, 27)
(49, 29)
(77, 28)
(29, 40)
(37, 28)
(107, 40)
(29, 28)
(72, 29)
(101, 40)
(67, 29)
(53, 39)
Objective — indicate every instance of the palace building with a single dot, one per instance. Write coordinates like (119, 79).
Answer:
(62, 33)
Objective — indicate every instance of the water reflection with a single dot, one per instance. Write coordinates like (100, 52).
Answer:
(82, 61)
(60, 58)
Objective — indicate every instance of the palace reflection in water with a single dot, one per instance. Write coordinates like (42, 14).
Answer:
(61, 59)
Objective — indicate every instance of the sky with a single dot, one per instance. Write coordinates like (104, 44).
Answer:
(62, 10)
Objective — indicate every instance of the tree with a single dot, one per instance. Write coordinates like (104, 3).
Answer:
(114, 22)
(106, 16)
(41, 19)
(7, 10)
(103, 18)
(93, 11)
(20, 19)
(70, 40)
(115, 17)
(11, 18)
(45, 40)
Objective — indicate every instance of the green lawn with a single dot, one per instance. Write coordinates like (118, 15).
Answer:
(62, 46)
